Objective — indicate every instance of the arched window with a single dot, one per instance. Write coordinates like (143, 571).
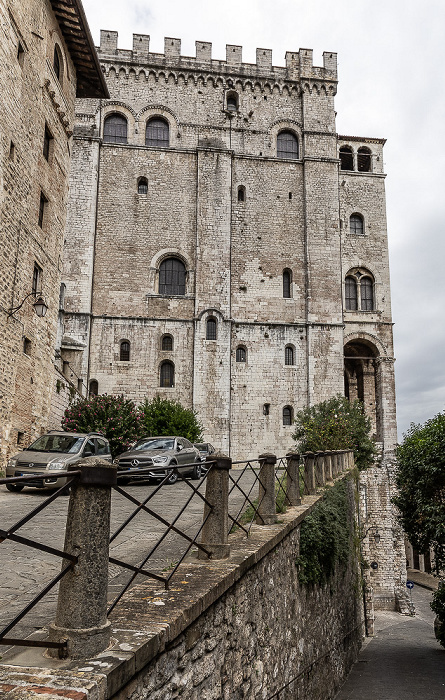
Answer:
(351, 294)
(287, 283)
(94, 387)
(211, 329)
(172, 277)
(346, 158)
(58, 63)
(232, 102)
(356, 225)
(167, 343)
(115, 129)
(289, 355)
(241, 194)
(157, 133)
(167, 374)
(124, 352)
(142, 185)
(241, 354)
(364, 160)
(287, 415)
(287, 145)
(366, 294)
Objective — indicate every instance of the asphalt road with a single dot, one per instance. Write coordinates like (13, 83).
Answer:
(25, 571)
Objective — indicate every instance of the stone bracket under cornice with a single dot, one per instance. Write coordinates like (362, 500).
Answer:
(59, 109)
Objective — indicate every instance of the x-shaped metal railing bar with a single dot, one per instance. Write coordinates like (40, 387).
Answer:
(247, 499)
(281, 466)
(23, 642)
(170, 528)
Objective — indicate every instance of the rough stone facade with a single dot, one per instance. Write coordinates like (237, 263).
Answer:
(36, 123)
(244, 220)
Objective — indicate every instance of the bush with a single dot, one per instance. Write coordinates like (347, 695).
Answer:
(420, 479)
(336, 424)
(438, 606)
(165, 417)
(115, 417)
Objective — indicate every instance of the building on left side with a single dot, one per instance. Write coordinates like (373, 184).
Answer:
(47, 59)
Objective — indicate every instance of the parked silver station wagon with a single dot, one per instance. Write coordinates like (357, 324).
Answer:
(55, 451)
(161, 453)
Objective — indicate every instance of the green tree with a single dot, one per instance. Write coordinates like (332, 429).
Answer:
(115, 417)
(420, 479)
(165, 417)
(336, 424)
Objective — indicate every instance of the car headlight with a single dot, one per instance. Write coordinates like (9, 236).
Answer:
(56, 465)
(12, 462)
(160, 460)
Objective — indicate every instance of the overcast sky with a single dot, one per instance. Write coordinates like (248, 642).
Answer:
(391, 64)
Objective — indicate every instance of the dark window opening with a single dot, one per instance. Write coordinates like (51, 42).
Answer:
(172, 277)
(290, 195)
(266, 409)
(287, 284)
(211, 329)
(115, 129)
(356, 225)
(167, 375)
(241, 354)
(364, 160)
(47, 139)
(42, 209)
(57, 63)
(26, 346)
(167, 343)
(241, 194)
(287, 415)
(36, 288)
(351, 294)
(157, 133)
(11, 151)
(287, 145)
(288, 355)
(232, 103)
(20, 53)
(366, 294)
(142, 185)
(94, 388)
(124, 353)
(79, 385)
(20, 438)
(346, 158)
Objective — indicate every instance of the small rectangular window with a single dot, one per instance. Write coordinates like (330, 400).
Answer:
(47, 143)
(26, 346)
(36, 280)
(20, 438)
(42, 209)
(12, 151)
(20, 53)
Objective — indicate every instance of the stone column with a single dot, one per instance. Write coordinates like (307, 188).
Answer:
(266, 514)
(309, 473)
(81, 616)
(328, 465)
(320, 477)
(334, 459)
(214, 536)
(293, 497)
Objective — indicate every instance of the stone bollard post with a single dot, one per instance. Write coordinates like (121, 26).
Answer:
(81, 615)
(334, 459)
(293, 497)
(328, 465)
(266, 514)
(319, 466)
(309, 473)
(214, 536)
(351, 459)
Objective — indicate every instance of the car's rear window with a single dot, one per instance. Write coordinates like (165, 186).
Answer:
(57, 443)
(154, 444)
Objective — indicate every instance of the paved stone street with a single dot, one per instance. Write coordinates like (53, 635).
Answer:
(25, 571)
(403, 661)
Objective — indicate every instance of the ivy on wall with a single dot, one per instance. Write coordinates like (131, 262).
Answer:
(327, 536)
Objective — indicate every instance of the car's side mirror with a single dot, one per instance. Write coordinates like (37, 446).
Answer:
(88, 453)
(179, 447)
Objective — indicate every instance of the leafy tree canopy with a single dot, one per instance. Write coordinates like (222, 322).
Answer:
(115, 417)
(420, 479)
(336, 424)
(165, 417)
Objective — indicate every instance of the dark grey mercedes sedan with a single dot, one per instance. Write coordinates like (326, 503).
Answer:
(159, 457)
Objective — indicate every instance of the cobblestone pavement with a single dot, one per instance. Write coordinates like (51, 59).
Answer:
(25, 571)
(403, 661)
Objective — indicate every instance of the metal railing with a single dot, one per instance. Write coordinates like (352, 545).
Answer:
(229, 496)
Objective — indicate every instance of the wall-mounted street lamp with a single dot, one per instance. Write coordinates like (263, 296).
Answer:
(40, 306)
(377, 535)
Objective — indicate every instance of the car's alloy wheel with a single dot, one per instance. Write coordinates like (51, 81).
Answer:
(197, 471)
(172, 477)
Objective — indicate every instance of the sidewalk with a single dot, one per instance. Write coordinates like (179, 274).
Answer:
(403, 661)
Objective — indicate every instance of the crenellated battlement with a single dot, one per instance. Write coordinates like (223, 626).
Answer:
(298, 64)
